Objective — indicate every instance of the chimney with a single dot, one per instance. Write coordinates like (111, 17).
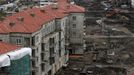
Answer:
(21, 19)
(32, 14)
(42, 10)
(54, 6)
(12, 24)
(68, 6)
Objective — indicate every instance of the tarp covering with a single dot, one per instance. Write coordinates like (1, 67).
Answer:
(20, 66)
(19, 53)
(4, 61)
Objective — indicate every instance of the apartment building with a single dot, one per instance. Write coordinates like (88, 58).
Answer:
(74, 29)
(48, 31)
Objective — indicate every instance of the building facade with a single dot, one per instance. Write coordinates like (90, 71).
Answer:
(76, 33)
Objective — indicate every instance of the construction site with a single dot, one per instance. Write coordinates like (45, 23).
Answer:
(109, 39)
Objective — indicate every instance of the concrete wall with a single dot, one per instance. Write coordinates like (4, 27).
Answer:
(76, 30)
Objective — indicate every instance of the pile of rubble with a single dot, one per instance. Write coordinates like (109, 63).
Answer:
(109, 34)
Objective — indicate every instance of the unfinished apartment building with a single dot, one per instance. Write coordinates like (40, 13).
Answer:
(50, 31)
(109, 35)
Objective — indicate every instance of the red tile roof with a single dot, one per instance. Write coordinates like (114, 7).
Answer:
(34, 18)
(6, 47)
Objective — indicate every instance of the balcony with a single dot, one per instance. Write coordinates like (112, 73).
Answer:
(53, 55)
(35, 69)
(45, 61)
(34, 58)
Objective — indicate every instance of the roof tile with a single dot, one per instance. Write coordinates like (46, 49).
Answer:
(6, 47)
(34, 18)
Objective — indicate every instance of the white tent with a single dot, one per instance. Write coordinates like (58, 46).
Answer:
(4, 61)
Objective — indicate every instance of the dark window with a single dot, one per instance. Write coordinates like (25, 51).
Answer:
(50, 72)
(33, 53)
(33, 73)
(18, 41)
(33, 63)
(51, 41)
(43, 46)
(60, 48)
(33, 41)
(73, 33)
(27, 42)
(74, 25)
(74, 17)
(43, 67)
(52, 60)
(51, 51)
(60, 52)
(42, 56)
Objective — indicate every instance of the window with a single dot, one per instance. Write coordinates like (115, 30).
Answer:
(52, 60)
(42, 4)
(18, 41)
(73, 33)
(43, 46)
(33, 73)
(42, 56)
(59, 52)
(51, 41)
(33, 53)
(37, 49)
(51, 51)
(60, 48)
(43, 67)
(74, 17)
(33, 63)
(27, 41)
(50, 72)
(74, 25)
(33, 41)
